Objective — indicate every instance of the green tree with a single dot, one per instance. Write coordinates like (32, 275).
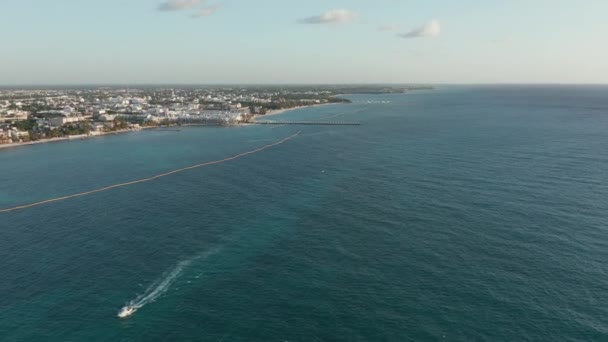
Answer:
(25, 125)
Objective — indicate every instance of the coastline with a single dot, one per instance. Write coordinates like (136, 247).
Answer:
(81, 137)
(62, 139)
(282, 111)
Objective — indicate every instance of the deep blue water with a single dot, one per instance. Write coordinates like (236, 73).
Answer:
(459, 214)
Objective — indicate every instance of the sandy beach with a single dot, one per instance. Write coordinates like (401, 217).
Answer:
(73, 137)
(42, 141)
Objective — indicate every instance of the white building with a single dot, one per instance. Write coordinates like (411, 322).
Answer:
(107, 117)
(14, 115)
(62, 120)
(18, 136)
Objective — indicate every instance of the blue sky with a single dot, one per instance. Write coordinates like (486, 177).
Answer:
(297, 41)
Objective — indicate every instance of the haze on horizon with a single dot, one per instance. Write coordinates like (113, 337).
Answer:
(315, 41)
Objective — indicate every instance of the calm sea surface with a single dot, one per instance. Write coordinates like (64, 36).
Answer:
(460, 214)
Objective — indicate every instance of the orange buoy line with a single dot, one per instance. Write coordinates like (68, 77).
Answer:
(143, 180)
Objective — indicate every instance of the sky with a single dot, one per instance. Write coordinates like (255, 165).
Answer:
(302, 41)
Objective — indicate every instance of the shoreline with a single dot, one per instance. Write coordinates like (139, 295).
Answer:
(282, 111)
(82, 137)
(68, 138)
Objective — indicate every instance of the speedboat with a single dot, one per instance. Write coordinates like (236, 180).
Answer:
(127, 311)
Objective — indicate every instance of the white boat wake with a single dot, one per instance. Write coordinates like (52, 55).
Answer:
(159, 287)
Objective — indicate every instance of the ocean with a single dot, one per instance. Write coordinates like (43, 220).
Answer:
(462, 213)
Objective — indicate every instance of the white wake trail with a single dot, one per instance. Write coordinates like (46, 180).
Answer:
(159, 287)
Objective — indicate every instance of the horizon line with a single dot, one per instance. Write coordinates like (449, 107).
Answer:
(303, 84)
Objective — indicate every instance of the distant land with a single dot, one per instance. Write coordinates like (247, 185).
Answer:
(35, 114)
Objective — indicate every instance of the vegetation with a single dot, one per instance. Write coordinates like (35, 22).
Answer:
(25, 125)
(76, 129)
(120, 124)
(41, 132)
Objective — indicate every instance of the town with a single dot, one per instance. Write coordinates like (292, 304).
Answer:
(38, 114)
(28, 115)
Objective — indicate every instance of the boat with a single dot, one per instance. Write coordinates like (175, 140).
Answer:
(127, 311)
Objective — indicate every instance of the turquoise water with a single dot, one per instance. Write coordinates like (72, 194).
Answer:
(464, 213)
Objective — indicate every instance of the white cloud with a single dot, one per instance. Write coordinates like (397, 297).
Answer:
(178, 5)
(206, 11)
(429, 30)
(339, 16)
